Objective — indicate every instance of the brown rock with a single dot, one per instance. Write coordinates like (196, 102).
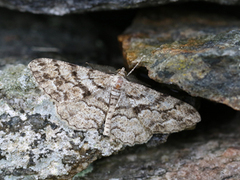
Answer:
(197, 52)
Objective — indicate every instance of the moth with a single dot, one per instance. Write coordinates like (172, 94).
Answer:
(125, 111)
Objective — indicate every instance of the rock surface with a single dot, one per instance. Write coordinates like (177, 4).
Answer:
(57, 7)
(197, 52)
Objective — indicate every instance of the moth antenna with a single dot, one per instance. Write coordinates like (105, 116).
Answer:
(133, 68)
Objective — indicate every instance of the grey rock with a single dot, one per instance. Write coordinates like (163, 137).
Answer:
(58, 7)
(197, 52)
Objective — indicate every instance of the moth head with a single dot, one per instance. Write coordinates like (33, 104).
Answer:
(121, 72)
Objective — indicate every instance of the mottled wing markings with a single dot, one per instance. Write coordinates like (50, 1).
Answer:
(126, 111)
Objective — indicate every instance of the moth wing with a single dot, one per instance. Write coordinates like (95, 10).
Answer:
(142, 112)
(81, 95)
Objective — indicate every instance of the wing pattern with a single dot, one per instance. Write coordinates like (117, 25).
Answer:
(83, 97)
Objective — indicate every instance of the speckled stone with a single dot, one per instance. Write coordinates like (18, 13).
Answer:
(197, 52)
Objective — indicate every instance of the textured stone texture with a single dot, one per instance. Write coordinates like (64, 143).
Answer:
(197, 52)
(58, 7)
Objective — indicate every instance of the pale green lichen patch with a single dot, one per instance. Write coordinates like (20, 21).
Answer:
(16, 80)
(17, 87)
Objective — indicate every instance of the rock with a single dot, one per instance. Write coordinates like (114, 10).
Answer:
(78, 6)
(197, 52)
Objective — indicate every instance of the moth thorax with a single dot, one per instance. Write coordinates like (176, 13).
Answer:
(119, 83)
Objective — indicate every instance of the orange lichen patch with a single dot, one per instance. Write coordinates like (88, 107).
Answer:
(124, 39)
(136, 45)
(128, 49)
(125, 44)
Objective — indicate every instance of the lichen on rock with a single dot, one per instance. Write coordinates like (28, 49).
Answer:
(197, 52)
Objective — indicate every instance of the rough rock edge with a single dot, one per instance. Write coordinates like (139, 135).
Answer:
(58, 8)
